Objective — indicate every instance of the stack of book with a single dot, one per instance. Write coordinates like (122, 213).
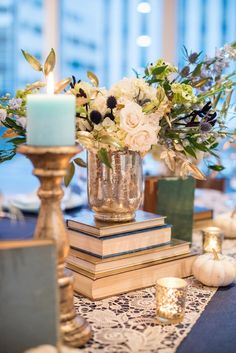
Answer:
(113, 258)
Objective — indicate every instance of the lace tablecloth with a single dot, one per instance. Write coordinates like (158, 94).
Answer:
(127, 323)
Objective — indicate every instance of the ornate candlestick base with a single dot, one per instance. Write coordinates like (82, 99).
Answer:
(50, 164)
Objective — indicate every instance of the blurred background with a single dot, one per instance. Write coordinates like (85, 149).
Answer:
(108, 37)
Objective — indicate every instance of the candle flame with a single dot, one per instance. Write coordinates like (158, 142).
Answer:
(50, 83)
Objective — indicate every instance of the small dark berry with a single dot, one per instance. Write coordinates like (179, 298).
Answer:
(109, 115)
(95, 117)
(111, 102)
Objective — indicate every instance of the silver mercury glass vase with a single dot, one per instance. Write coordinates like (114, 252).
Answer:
(115, 193)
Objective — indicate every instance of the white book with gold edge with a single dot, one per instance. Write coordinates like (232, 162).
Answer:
(120, 244)
(144, 276)
(96, 265)
(85, 222)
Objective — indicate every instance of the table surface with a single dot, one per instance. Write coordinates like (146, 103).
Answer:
(214, 332)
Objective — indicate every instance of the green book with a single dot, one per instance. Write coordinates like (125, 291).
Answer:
(175, 199)
(28, 295)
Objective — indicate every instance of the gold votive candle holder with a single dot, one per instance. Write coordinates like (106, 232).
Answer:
(170, 299)
(212, 238)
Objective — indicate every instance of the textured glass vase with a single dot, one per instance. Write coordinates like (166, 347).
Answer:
(115, 193)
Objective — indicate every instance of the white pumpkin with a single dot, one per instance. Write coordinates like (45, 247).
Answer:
(227, 222)
(214, 270)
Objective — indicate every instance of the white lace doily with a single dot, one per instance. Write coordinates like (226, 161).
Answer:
(127, 323)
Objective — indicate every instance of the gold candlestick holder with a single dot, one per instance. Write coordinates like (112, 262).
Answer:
(50, 165)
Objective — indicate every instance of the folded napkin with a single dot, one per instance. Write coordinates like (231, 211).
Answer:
(30, 202)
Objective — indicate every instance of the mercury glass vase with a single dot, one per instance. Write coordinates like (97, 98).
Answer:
(115, 193)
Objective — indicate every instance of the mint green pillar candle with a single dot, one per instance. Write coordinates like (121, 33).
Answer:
(50, 120)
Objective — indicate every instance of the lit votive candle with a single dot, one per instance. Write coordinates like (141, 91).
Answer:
(212, 238)
(50, 118)
(170, 299)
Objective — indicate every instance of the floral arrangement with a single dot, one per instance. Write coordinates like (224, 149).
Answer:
(116, 119)
(178, 114)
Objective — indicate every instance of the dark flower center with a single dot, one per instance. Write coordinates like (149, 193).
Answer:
(95, 117)
(111, 102)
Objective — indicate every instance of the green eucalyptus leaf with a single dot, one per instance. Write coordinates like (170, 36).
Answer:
(185, 81)
(233, 45)
(216, 144)
(146, 71)
(158, 70)
(17, 140)
(104, 157)
(160, 94)
(190, 151)
(200, 147)
(167, 86)
(10, 123)
(197, 70)
(216, 100)
(148, 107)
(80, 162)
(70, 173)
(93, 78)
(32, 61)
(135, 72)
(216, 167)
(200, 83)
(151, 81)
(108, 140)
(50, 62)
(214, 154)
(185, 51)
(7, 155)
(61, 85)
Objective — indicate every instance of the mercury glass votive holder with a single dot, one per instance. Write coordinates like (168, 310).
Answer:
(212, 238)
(170, 300)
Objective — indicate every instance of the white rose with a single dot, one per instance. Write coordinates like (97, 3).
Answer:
(107, 122)
(141, 139)
(83, 125)
(153, 120)
(86, 87)
(133, 88)
(109, 125)
(100, 104)
(131, 116)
